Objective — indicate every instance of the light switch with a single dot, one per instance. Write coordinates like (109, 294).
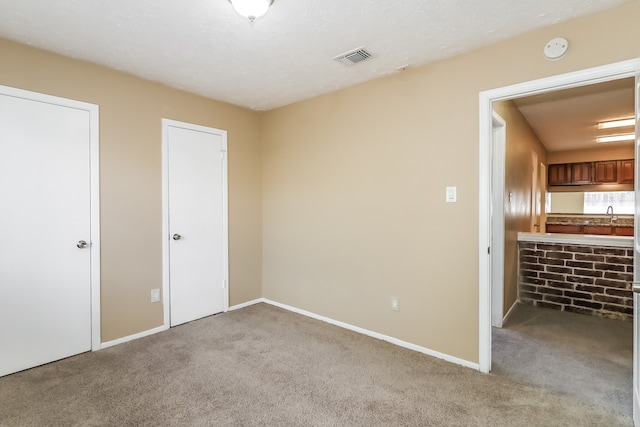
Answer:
(451, 194)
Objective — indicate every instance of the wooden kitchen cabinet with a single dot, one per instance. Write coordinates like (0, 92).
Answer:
(581, 173)
(559, 174)
(623, 231)
(585, 173)
(605, 172)
(597, 229)
(626, 171)
(601, 230)
(566, 229)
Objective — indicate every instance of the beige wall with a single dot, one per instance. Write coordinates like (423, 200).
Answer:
(131, 110)
(521, 142)
(350, 186)
(354, 184)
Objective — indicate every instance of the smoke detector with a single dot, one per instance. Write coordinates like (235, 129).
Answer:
(353, 56)
(556, 48)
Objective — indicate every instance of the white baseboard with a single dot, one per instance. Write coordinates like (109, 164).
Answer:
(246, 304)
(357, 329)
(133, 337)
(509, 312)
(372, 334)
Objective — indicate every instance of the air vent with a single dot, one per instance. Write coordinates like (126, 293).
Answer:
(353, 56)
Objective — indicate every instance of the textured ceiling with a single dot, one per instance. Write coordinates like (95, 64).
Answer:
(568, 119)
(204, 47)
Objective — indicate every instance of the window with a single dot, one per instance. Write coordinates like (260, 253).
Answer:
(598, 202)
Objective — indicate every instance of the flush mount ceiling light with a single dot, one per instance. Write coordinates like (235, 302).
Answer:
(251, 9)
(616, 138)
(616, 123)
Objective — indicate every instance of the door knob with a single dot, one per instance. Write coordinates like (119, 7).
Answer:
(81, 244)
(177, 236)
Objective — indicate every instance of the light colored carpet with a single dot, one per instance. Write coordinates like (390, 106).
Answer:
(263, 366)
(588, 358)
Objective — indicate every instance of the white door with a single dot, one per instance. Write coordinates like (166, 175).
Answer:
(636, 270)
(196, 229)
(536, 195)
(498, 147)
(45, 248)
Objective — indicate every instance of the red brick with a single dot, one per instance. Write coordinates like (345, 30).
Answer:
(559, 255)
(530, 295)
(557, 269)
(620, 260)
(590, 289)
(580, 264)
(560, 285)
(608, 299)
(557, 299)
(609, 251)
(590, 273)
(537, 267)
(619, 276)
(610, 267)
(549, 291)
(549, 247)
(588, 304)
(551, 276)
(595, 258)
(580, 249)
(581, 279)
(574, 294)
(611, 283)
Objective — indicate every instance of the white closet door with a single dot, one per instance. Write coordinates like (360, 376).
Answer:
(196, 227)
(45, 269)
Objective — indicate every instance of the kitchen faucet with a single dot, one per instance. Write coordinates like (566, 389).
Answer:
(610, 213)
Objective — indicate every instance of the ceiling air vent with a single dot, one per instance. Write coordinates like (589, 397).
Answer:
(353, 56)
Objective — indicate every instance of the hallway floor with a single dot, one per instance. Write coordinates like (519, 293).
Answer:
(586, 357)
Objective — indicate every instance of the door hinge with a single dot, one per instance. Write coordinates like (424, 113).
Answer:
(224, 284)
(489, 250)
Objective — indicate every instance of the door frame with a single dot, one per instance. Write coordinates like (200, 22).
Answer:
(94, 189)
(166, 123)
(618, 70)
(498, 153)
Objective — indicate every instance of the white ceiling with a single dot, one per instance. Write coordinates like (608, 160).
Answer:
(568, 119)
(204, 47)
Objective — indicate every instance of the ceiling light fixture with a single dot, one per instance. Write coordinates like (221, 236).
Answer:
(251, 9)
(616, 123)
(616, 138)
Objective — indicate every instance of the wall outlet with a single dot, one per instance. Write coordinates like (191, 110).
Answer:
(395, 304)
(155, 295)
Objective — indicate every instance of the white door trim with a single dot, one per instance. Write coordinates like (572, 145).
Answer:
(94, 188)
(498, 147)
(600, 74)
(166, 123)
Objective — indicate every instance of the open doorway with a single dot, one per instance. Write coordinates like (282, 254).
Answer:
(487, 264)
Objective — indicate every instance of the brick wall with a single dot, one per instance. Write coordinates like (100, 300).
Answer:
(591, 280)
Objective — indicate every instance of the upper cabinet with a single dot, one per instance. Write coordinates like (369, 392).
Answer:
(585, 173)
(581, 173)
(626, 171)
(605, 172)
(560, 174)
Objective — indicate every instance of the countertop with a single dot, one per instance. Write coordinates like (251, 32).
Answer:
(595, 220)
(577, 239)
